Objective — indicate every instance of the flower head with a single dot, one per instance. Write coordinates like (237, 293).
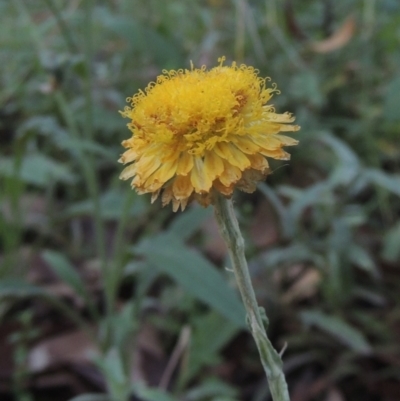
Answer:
(197, 131)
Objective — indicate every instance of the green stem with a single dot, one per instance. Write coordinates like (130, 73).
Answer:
(240, 31)
(276, 32)
(115, 274)
(270, 359)
(66, 32)
(89, 133)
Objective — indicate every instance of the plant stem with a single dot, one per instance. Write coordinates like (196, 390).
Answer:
(89, 133)
(270, 359)
(65, 31)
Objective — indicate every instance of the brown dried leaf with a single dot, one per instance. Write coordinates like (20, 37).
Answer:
(338, 39)
(303, 288)
(334, 395)
(75, 347)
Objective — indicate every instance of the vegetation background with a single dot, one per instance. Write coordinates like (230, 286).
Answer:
(106, 295)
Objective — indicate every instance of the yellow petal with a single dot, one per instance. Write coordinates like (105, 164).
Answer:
(232, 154)
(166, 196)
(246, 145)
(278, 154)
(185, 163)
(286, 140)
(137, 183)
(184, 203)
(280, 118)
(199, 179)
(182, 187)
(222, 188)
(289, 128)
(163, 151)
(161, 176)
(154, 195)
(146, 166)
(259, 162)
(221, 150)
(213, 165)
(267, 141)
(127, 143)
(240, 158)
(175, 204)
(265, 128)
(230, 175)
(128, 156)
(128, 172)
(157, 150)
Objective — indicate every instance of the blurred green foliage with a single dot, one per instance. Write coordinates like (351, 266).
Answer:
(329, 277)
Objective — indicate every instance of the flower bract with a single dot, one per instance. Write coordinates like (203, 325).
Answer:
(197, 132)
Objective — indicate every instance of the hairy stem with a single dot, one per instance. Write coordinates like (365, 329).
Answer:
(270, 359)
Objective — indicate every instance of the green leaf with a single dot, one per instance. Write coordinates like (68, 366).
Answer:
(287, 255)
(111, 205)
(37, 169)
(143, 38)
(370, 296)
(91, 397)
(348, 167)
(387, 181)
(361, 258)
(194, 273)
(306, 87)
(317, 194)
(211, 388)
(112, 367)
(339, 329)
(19, 288)
(123, 325)
(42, 124)
(86, 146)
(392, 100)
(151, 394)
(391, 241)
(65, 271)
(186, 224)
(209, 336)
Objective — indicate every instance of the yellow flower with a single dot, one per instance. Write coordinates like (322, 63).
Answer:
(197, 131)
